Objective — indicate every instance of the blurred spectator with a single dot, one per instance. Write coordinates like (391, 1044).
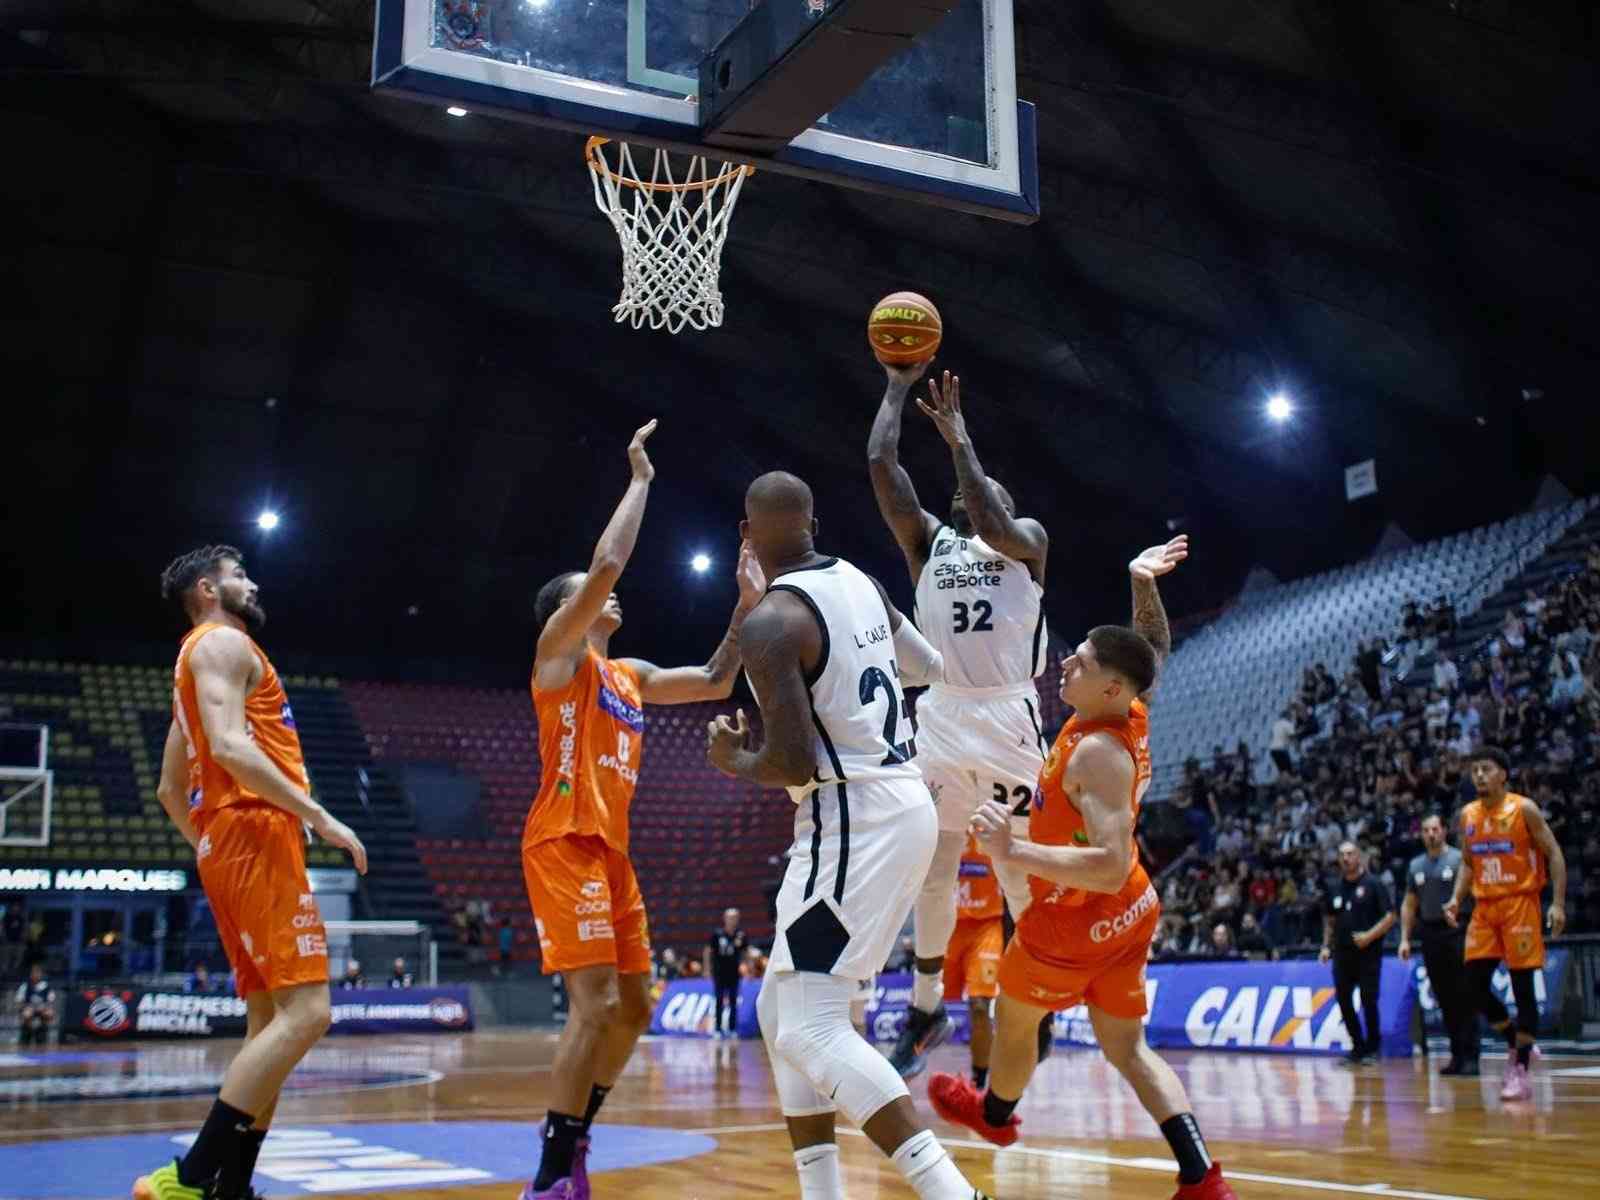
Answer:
(400, 977)
(1222, 941)
(352, 977)
(754, 965)
(1446, 676)
(13, 932)
(1278, 747)
(200, 982)
(1251, 939)
(667, 965)
(36, 1008)
(507, 940)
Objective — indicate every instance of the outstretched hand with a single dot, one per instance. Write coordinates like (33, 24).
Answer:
(751, 579)
(945, 410)
(1158, 560)
(643, 470)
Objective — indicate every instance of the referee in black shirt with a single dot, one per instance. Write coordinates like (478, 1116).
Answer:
(1430, 883)
(724, 952)
(1357, 912)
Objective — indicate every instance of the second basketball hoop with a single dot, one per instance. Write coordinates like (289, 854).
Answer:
(671, 220)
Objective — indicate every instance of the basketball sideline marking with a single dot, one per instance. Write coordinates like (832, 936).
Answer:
(1385, 1190)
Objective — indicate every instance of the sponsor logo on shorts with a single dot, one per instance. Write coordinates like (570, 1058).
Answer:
(595, 931)
(306, 920)
(311, 945)
(308, 900)
(587, 908)
(1080, 838)
(195, 796)
(593, 887)
(1125, 920)
(203, 850)
(286, 715)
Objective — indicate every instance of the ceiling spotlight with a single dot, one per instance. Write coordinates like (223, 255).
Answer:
(267, 521)
(455, 110)
(701, 563)
(1279, 408)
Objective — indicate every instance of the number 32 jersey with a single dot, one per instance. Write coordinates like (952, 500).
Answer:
(861, 727)
(982, 612)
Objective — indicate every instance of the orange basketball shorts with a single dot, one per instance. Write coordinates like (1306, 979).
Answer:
(586, 905)
(972, 960)
(1113, 982)
(252, 863)
(1510, 928)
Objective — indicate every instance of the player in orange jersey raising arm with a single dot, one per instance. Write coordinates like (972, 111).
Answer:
(586, 901)
(1508, 852)
(1085, 937)
(234, 781)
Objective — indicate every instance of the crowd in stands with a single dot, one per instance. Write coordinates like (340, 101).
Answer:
(1366, 755)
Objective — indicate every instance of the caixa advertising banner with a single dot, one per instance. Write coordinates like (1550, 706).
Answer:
(116, 1014)
(1549, 987)
(1277, 1007)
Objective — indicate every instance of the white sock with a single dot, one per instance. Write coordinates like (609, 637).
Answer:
(932, 1173)
(818, 1167)
(927, 990)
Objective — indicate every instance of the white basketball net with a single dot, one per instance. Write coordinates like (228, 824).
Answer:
(671, 223)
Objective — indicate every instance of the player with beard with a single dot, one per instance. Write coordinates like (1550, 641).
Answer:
(586, 902)
(979, 579)
(233, 779)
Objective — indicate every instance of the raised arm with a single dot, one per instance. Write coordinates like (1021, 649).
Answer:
(1099, 779)
(224, 670)
(1149, 614)
(1024, 539)
(174, 783)
(714, 680)
(778, 638)
(563, 634)
(1556, 861)
(912, 525)
(917, 662)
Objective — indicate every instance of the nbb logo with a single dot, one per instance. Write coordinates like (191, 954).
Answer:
(1267, 1018)
(688, 1012)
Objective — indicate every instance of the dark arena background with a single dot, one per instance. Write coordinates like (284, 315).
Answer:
(330, 282)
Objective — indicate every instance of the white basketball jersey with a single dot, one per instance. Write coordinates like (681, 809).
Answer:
(861, 729)
(982, 612)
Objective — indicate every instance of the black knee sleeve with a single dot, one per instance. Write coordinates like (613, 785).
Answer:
(1480, 989)
(1527, 1001)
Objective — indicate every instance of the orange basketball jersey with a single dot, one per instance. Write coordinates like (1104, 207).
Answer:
(591, 733)
(268, 719)
(977, 890)
(1056, 821)
(1505, 862)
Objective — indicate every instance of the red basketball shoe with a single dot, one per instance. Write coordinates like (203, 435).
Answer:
(955, 1099)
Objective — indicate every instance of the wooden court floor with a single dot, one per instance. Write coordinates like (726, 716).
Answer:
(1285, 1128)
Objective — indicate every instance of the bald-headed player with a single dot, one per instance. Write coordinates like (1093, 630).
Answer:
(586, 902)
(979, 579)
(233, 780)
(1086, 936)
(826, 654)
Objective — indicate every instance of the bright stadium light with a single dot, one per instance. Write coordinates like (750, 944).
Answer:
(267, 521)
(701, 563)
(1279, 408)
(455, 110)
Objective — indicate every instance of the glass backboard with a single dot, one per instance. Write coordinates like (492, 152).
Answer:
(940, 122)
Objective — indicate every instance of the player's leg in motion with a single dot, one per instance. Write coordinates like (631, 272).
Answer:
(1519, 1033)
(821, 1063)
(254, 873)
(928, 1026)
(609, 1000)
(221, 1159)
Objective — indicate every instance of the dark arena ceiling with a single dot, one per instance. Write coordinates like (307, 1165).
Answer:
(235, 279)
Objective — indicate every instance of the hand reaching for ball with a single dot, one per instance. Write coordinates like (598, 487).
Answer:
(945, 410)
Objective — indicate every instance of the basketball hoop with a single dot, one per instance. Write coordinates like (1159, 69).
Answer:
(671, 223)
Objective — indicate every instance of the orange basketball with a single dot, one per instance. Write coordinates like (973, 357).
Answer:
(904, 328)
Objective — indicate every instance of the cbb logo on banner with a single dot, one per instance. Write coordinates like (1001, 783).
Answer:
(107, 1016)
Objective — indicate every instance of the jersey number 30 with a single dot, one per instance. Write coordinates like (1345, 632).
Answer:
(872, 679)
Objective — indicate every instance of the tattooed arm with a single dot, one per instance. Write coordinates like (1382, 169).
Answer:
(1149, 614)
